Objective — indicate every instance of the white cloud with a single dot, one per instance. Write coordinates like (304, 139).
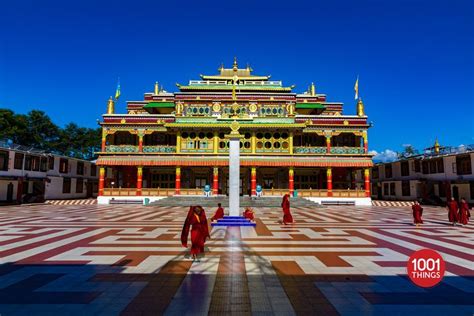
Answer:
(385, 156)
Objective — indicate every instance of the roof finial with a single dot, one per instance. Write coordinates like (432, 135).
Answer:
(221, 68)
(110, 106)
(436, 146)
(312, 89)
(157, 88)
(236, 66)
(360, 108)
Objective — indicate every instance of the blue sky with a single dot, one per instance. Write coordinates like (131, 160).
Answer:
(415, 58)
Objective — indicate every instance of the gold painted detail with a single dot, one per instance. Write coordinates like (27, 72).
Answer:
(123, 121)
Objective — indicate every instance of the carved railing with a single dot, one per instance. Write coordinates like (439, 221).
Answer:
(121, 149)
(309, 150)
(158, 192)
(159, 149)
(335, 193)
(347, 150)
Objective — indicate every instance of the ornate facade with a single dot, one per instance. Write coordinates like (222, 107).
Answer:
(174, 143)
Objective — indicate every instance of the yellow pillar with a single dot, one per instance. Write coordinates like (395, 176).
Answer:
(253, 142)
(178, 142)
(290, 141)
(216, 142)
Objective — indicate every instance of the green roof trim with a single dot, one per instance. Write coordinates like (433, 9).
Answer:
(159, 105)
(310, 106)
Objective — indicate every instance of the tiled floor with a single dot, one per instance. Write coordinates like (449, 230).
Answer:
(92, 260)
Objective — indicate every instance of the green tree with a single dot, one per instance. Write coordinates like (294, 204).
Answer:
(43, 133)
(13, 126)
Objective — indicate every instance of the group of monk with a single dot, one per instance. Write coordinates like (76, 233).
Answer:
(196, 221)
(456, 213)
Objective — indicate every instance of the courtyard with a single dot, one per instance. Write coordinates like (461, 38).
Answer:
(128, 259)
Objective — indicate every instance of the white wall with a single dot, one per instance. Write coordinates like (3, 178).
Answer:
(4, 187)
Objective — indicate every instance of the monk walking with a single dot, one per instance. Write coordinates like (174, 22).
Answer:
(417, 213)
(219, 213)
(249, 214)
(453, 211)
(285, 204)
(464, 213)
(197, 221)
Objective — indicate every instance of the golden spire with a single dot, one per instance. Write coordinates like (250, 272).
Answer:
(436, 146)
(312, 89)
(110, 106)
(221, 68)
(235, 66)
(360, 108)
(157, 88)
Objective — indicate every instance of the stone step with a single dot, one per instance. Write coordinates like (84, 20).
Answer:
(233, 221)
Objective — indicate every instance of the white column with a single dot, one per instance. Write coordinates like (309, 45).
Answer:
(234, 176)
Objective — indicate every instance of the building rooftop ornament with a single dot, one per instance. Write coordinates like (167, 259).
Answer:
(110, 106)
(360, 108)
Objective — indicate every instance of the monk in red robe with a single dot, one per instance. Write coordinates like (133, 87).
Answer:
(219, 213)
(249, 214)
(197, 221)
(285, 204)
(417, 212)
(464, 213)
(453, 211)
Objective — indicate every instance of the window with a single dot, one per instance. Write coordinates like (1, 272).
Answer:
(19, 161)
(440, 165)
(44, 164)
(80, 168)
(417, 166)
(405, 169)
(4, 160)
(406, 188)
(35, 163)
(388, 171)
(375, 189)
(63, 165)
(51, 163)
(79, 185)
(425, 167)
(66, 185)
(93, 170)
(432, 166)
(471, 187)
(161, 180)
(28, 163)
(385, 189)
(463, 164)
(375, 172)
(392, 188)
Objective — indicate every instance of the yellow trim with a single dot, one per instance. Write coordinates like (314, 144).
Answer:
(290, 141)
(253, 142)
(291, 172)
(329, 172)
(101, 172)
(243, 126)
(178, 171)
(139, 171)
(178, 142)
(216, 142)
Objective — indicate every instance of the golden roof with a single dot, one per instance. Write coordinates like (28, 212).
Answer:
(229, 73)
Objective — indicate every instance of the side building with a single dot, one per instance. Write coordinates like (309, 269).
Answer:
(175, 143)
(29, 175)
(434, 176)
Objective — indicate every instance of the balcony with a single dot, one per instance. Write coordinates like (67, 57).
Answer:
(323, 150)
(146, 149)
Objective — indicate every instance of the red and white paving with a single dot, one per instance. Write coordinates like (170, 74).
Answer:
(128, 259)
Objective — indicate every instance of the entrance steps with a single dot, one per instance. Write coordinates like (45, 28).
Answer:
(233, 221)
(245, 201)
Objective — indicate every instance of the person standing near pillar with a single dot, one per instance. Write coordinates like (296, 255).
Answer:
(285, 205)
(219, 213)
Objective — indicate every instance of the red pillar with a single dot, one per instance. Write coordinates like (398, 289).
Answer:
(367, 182)
(291, 184)
(329, 179)
(215, 181)
(139, 180)
(178, 181)
(253, 181)
(101, 180)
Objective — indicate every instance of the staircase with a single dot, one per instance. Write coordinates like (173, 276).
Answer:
(233, 221)
(245, 201)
